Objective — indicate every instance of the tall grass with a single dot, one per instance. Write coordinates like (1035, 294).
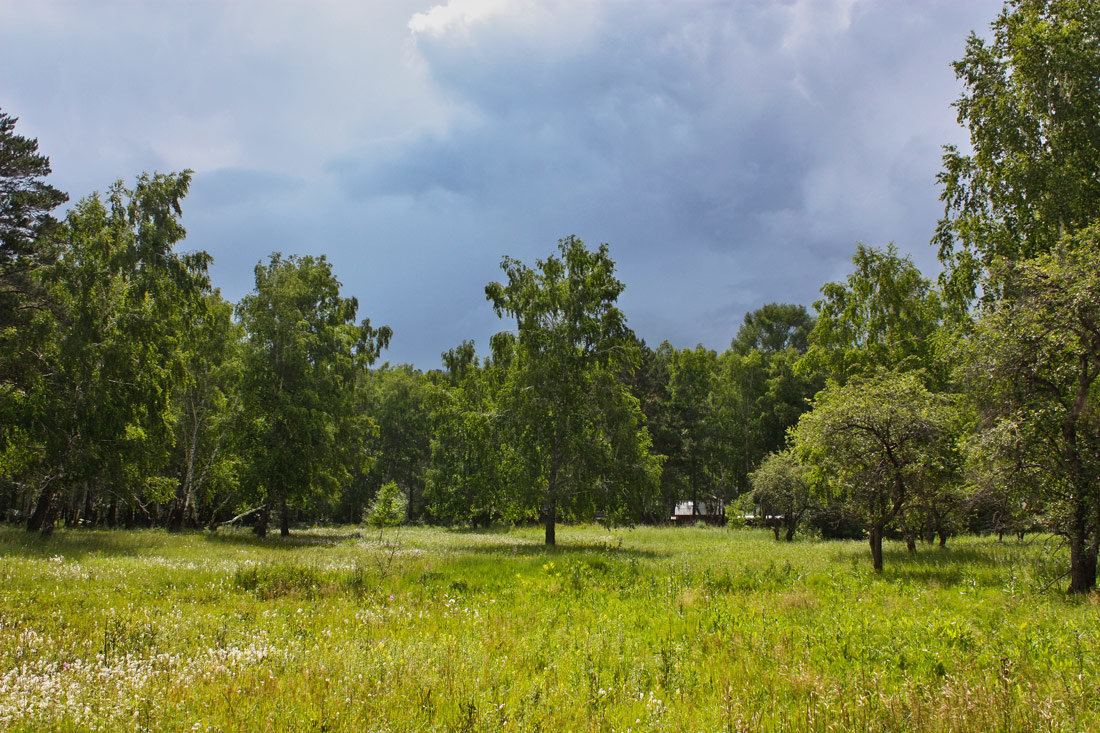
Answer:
(634, 629)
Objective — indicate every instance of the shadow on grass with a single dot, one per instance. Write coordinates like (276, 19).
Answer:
(15, 541)
(274, 541)
(988, 565)
(533, 549)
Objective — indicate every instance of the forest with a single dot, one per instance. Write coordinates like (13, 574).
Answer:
(898, 406)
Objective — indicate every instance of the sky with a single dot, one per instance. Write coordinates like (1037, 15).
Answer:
(731, 153)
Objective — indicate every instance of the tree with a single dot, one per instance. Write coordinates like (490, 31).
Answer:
(562, 394)
(885, 315)
(782, 493)
(26, 223)
(102, 409)
(649, 383)
(758, 393)
(303, 363)
(1033, 371)
(1030, 105)
(773, 328)
(388, 508)
(205, 459)
(397, 401)
(473, 463)
(691, 376)
(27, 244)
(876, 443)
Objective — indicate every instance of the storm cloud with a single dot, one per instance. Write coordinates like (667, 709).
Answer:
(731, 153)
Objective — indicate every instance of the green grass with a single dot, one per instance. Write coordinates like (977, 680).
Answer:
(644, 629)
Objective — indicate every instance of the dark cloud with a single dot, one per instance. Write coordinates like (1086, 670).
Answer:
(732, 153)
(234, 187)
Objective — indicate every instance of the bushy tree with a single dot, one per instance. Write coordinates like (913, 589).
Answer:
(782, 492)
(388, 509)
(692, 377)
(1033, 372)
(302, 373)
(877, 444)
(398, 400)
(27, 242)
(473, 463)
(885, 315)
(206, 414)
(773, 328)
(101, 414)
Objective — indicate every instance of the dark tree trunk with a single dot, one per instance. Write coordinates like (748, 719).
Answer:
(694, 493)
(284, 519)
(550, 511)
(875, 539)
(50, 517)
(89, 506)
(775, 529)
(176, 511)
(1082, 553)
(1082, 568)
(260, 528)
(551, 519)
(910, 542)
(41, 508)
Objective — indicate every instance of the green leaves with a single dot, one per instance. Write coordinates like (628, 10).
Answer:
(1033, 374)
(884, 315)
(303, 368)
(879, 443)
(575, 427)
(1030, 104)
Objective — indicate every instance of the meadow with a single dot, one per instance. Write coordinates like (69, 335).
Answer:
(692, 629)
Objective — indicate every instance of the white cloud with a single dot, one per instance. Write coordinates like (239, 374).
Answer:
(458, 15)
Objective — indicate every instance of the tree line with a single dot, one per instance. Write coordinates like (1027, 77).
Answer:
(132, 393)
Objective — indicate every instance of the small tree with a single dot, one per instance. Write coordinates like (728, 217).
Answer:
(878, 443)
(782, 493)
(387, 509)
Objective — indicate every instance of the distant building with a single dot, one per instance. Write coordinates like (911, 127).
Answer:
(711, 512)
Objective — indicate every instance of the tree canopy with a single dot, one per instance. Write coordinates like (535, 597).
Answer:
(1031, 103)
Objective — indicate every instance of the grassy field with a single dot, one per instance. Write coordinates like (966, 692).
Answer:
(635, 629)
